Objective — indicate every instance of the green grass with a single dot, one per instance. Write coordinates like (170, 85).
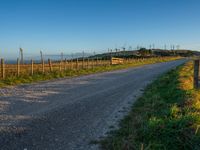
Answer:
(71, 73)
(166, 117)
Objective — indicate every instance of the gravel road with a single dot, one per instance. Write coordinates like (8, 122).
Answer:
(67, 114)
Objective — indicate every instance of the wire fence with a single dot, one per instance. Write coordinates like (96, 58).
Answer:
(32, 67)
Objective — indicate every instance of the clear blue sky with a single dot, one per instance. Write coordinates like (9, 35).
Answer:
(95, 25)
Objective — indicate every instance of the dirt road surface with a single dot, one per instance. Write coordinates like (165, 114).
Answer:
(67, 114)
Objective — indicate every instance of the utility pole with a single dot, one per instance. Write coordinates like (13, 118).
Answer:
(165, 47)
(61, 56)
(173, 47)
(83, 59)
(178, 47)
(153, 46)
(150, 46)
(111, 53)
(130, 48)
(72, 56)
(83, 54)
(124, 51)
(22, 55)
(41, 55)
(116, 52)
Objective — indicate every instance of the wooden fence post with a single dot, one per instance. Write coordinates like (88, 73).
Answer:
(196, 74)
(50, 65)
(199, 70)
(66, 64)
(97, 61)
(92, 63)
(105, 62)
(2, 68)
(77, 64)
(71, 64)
(60, 67)
(18, 67)
(32, 67)
(83, 63)
(100, 61)
(88, 63)
(111, 60)
(43, 69)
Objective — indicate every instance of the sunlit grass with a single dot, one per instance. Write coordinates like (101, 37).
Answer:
(166, 117)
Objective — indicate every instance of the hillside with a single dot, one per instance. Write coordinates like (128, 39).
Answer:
(147, 53)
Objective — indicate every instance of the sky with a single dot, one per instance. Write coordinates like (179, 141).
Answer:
(71, 26)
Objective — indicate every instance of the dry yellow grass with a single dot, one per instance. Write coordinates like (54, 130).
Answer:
(186, 83)
(186, 76)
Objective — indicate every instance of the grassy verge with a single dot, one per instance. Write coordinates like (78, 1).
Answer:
(72, 73)
(166, 117)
